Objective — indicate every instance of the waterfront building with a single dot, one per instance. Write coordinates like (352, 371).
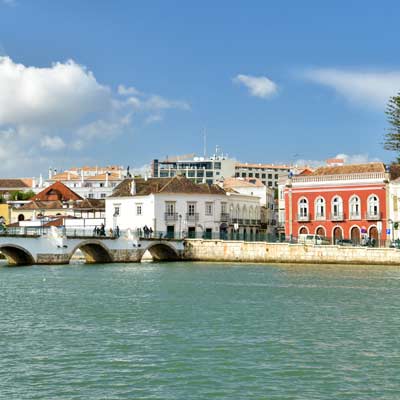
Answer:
(269, 174)
(198, 169)
(338, 202)
(57, 201)
(89, 182)
(254, 187)
(179, 207)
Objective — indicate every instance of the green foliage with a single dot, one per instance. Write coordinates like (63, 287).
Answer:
(392, 137)
(18, 195)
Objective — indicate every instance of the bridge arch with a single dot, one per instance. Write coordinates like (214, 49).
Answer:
(162, 251)
(94, 251)
(17, 255)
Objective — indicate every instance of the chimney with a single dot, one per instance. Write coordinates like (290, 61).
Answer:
(50, 173)
(133, 187)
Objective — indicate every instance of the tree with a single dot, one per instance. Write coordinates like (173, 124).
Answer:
(392, 137)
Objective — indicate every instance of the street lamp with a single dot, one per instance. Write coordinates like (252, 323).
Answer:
(180, 226)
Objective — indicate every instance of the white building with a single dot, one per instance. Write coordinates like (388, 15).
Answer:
(89, 182)
(179, 207)
(254, 187)
(199, 169)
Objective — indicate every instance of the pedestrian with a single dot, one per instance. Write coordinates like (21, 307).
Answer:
(102, 230)
(146, 231)
(151, 232)
(111, 232)
(117, 231)
(95, 231)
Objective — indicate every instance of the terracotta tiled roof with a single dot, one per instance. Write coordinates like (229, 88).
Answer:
(255, 165)
(57, 191)
(242, 182)
(107, 168)
(177, 184)
(13, 184)
(39, 205)
(90, 204)
(112, 176)
(350, 169)
(65, 176)
(305, 172)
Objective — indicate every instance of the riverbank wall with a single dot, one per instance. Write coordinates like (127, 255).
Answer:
(261, 252)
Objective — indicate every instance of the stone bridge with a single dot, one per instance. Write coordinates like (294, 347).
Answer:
(55, 248)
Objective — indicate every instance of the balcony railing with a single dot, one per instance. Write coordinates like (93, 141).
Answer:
(338, 216)
(225, 217)
(192, 216)
(355, 216)
(320, 217)
(168, 216)
(303, 218)
(371, 216)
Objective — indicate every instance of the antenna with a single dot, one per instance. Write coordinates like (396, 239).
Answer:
(204, 142)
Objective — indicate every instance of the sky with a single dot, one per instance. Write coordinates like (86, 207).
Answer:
(122, 82)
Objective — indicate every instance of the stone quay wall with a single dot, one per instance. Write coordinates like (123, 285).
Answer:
(261, 252)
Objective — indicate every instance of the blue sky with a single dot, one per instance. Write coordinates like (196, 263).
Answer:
(269, 81)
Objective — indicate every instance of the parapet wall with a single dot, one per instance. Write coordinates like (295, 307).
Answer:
(261, 252)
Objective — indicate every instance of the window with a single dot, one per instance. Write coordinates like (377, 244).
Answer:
(276, 176)
(269, 176)
(337, 207)
(303, 208)
(237, 174)
(103, 195)
(217, 165)
(116, 211)
(263, 176)
(243, 174)
(223, 208)
(269, 184)
(373, 206)
(209, 208)
(139, 209)
(191, 174)
(101, 184)
(209, 174)
(191, 208)
(355, 210)
(320, 208)
(170, 208)
(257, 175)
(90, 196)
(250, 175)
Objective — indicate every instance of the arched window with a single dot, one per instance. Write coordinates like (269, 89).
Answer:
(303, 209)
(373, 206)
(320, 208)
(355, 207)
(337, 208)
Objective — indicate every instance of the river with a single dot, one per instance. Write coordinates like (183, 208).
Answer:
(199, 331)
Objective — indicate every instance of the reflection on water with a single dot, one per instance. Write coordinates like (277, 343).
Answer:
(199, 331)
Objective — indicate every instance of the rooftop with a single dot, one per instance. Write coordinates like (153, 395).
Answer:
(349, 169)
(242, 182)
(177, 184)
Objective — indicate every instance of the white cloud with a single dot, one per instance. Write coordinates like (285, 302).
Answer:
(52, 143)
(348, 159)
(258, 86)
(126, 91)
(64, 107)
(361, 87)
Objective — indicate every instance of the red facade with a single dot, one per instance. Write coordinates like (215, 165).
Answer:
(337, 210)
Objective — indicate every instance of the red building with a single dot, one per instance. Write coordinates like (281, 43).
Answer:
(338, 202)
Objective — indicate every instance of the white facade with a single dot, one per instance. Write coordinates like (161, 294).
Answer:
(183, 214)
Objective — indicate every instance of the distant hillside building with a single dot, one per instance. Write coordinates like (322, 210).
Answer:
(269, 174)
(198, 169)
(90, 182)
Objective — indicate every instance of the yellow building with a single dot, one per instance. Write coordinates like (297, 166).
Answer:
(5, 212)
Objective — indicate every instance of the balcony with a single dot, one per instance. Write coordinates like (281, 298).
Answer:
(355, 216)
(338, 216)
(170, 217)
(371, 216)
(303, 218)
(224, 217)
(192, 217)
(320, 217)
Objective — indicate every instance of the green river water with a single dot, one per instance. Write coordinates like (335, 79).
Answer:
(199, 331)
